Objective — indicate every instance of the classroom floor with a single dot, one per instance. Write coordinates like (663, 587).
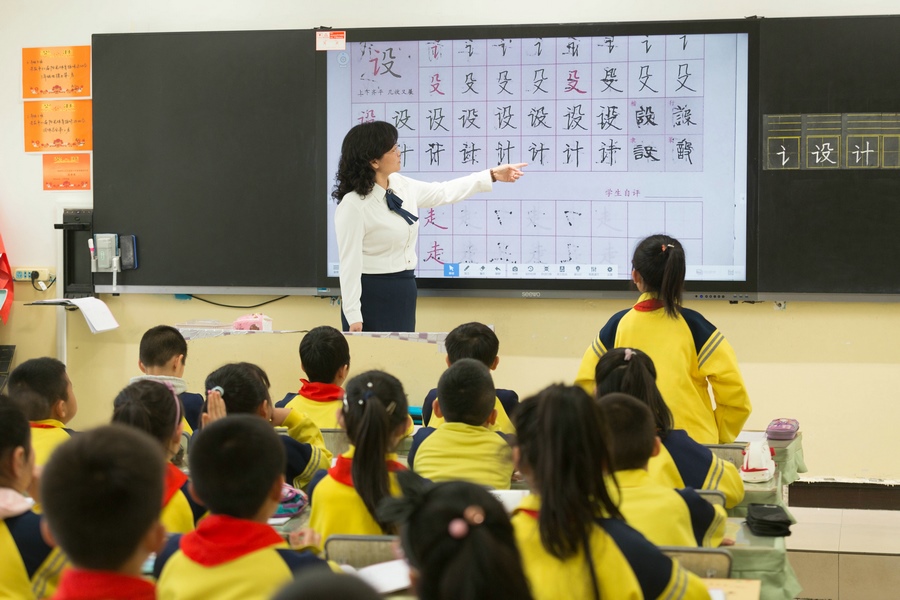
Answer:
(846, 554)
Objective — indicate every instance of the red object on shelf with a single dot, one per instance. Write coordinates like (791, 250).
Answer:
(6, 282)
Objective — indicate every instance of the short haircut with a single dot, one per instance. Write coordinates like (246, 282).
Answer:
(37, 384)
(632, 429)
(472, 340)
(151, 406)
(466, 392)
(102, 492)
(325, 584)
(323, 351)
(244, 387)
(159, 344)
(15, 432)
(234, 462)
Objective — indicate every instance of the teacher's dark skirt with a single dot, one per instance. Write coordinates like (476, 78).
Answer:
(388, 302)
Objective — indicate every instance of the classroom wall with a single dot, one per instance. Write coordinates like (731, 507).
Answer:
(831, 365)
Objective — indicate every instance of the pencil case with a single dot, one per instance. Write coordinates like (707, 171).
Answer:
(782, 429)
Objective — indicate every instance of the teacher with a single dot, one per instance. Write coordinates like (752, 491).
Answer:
(377, 227)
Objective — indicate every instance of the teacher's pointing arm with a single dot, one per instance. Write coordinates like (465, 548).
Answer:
(350, 229)
(430, 195)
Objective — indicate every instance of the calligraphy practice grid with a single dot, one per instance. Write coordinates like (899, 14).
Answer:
(595, 118)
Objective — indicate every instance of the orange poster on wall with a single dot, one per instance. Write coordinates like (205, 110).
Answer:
(67, 171)
(58, 125)
(57, 72)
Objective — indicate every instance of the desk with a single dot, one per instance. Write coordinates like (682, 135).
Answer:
(761, 558)
(735, 589)
(789, 458)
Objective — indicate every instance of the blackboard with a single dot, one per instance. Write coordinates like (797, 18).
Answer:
(830, 230)
(203, 148)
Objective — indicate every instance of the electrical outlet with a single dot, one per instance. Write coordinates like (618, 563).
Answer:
(24, 273)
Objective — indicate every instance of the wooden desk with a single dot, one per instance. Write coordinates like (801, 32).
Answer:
(761, 558)
(735, 589)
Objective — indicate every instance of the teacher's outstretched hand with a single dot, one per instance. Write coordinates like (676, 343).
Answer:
(508, 173)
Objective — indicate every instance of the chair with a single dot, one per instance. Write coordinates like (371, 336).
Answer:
(360, 551)
(714, 497)
(336, 440)
(733, 453)
(713, 563)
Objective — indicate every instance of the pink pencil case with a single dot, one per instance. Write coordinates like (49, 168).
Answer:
(782, 429)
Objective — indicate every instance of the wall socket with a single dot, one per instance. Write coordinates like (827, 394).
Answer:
(24, 273)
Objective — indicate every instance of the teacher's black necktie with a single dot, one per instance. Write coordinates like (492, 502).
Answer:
(396, 204)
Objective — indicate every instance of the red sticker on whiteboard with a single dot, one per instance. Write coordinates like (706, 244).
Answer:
(331, 40)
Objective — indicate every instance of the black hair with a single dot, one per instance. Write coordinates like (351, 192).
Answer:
(472, 340)
(460, 539)
(466, 392)
(244, 386)
(37, 384)
(563, 442)
(323, 352)
(632, 372)
(362, 144)
(660, 261)
(159, 344)
(15, 432)
(102, 492)
(258, 372)
(325, 584)
(152, 407)
(234, 464)
(375, 407)
(631, 428)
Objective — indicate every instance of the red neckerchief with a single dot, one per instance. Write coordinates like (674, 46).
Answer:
(82, 584)
(219, 539)
(648, 305)
(42, 426)
(321, 392)
(534, 514)
(175, 478)
(342, 469)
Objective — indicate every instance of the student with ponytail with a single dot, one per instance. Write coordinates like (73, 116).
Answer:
(457, 539)
(155, 408)
(344, 498)
(570, 533)
(689, 352)
(681, 462)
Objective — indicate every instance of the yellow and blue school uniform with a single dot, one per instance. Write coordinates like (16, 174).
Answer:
(336, 506)
(192, 403)
(628, 567)
(666, 516)
(46, 435)
(505, 403)
(682, 463)
(320, 401)
(83, 584)
(228, 558)
(690, 355)
(457, 451)
(308, 443)
(30, 568)
(180, 512)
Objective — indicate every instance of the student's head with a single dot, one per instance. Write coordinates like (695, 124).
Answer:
(562, 449)
(375, 415)
(659, 267)
(458, 540)
(632, 431)
(364, 144)
(237, 466)
(43, 390)
(466, 393)
(244, 389)
(632, 372)
(102, 494)
(473, 340)
(154, 408)
(163, 351)
(325, 355)
(325, 584)
(16, 454)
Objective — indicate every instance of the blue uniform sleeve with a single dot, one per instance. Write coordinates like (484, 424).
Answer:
(298, 455)
(417, 440)
(197, 509)
(171, 547)
(652, 568)
(193, 408)
(316, 478)
(702, 513)
(284, 401)
(509, 400)
(426, 406)
(300, 561)
(25, 530)
(691, 458)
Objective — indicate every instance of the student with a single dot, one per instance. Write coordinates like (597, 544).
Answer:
(458, 541)
(163, 352)
(463, 447)
(569, 531)
(30, 567)
(155, 409)
(666, 516)
(325, 358)
(237, 471)
(681, 461)
(42, 389)
(478, 341)
(242, 388)
(321, 584)
(689, 352)
(101, 492)
(344, 499)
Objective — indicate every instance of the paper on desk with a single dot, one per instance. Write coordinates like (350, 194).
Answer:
(386, 577)
(95, 311)
(751, 436)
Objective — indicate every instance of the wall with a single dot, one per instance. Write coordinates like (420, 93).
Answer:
(817, 362)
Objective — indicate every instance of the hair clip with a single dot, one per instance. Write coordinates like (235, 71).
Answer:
(664, 246)
(458, 528)
(219, 389)
(474, 515)
(390, 408)
(369, 385)
(629, 353)
(346, 404)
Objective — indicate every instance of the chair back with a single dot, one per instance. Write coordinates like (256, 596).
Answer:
(360, 551)
(733, 453)
(714, 497)
(711, 563)
(336, 441)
